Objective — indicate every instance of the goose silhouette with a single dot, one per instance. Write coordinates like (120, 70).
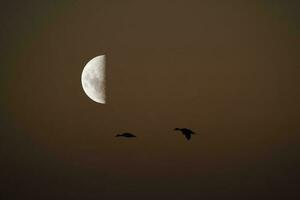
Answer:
(128, 135)
(186, 132)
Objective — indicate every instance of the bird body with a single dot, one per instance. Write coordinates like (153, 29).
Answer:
(128, 135)
(186, 132)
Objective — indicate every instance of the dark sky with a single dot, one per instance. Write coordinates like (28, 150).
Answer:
(229, 70)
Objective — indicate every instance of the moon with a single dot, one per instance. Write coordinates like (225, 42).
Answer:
(93, 79)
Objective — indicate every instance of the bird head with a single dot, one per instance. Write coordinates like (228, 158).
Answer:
(176, 129)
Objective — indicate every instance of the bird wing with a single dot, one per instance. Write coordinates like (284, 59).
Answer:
(187, 136)
(186, 130)
(130, 135)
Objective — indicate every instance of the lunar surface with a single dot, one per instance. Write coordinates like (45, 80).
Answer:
(93, 79)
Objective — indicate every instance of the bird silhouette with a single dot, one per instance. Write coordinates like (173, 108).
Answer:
(186, 132)
(128, 135)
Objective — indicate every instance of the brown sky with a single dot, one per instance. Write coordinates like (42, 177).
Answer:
(229, 70)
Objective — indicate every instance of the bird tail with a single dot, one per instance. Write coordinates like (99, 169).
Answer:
(118, 135)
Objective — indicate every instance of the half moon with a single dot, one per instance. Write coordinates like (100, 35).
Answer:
(93, 79)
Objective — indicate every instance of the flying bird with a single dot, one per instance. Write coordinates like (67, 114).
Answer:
(186, 132)
(128, 135)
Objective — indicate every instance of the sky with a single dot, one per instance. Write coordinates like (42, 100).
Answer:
(229, 70)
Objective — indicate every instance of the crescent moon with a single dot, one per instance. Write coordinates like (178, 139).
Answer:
(93, 79)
